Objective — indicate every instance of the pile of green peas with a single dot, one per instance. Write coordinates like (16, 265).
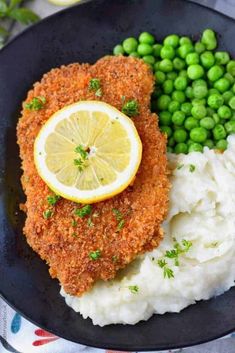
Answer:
(194, 93)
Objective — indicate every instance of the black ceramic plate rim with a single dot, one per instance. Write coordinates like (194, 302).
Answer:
(87, 341)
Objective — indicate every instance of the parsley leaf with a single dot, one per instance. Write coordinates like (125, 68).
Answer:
(168, 272)
(84, 211)
(80, 162)
(131, 108)
(36, 103)
(95, 85)
(89, 222)
(134, 289)
(23, 15)
(52, 199)
(119, 218)
(180, 166)
(95, 255)
(74, 223)
(192, 168)
(47, 214)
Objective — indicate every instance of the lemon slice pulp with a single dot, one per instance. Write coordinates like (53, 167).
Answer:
(88, 152)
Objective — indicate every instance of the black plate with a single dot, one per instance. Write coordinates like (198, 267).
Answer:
(85, 33)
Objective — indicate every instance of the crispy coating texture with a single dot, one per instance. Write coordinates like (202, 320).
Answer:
(65, 246)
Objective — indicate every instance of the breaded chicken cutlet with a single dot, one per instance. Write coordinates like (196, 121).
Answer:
(66, 241)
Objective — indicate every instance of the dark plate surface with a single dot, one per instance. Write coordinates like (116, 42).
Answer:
(85, 33)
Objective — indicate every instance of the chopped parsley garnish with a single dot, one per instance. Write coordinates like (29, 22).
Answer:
(47, 214)
(84, 211)
(119, 218)
(74, 223)
(115, 258)
(52, 199)
(131, 108)
(174, 254)
(180, 166)
(133, 289)
(80, 162)
(192, 168)
(89, 222)
(95, 85)
(99, 92)
(36, 103)
(74, 235)
(95, 255)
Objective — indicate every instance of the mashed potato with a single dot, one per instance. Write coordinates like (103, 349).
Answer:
(202, 212)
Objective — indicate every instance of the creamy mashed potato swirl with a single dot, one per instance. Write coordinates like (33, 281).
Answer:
(202, 211)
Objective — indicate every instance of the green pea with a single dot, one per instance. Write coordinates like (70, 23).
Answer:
(168, 86)
(190, 123)
(178, 96)
(192, 59)
(166, 130)
(200, 91)
(149, 59)
(190, 142)
(198, 134)
(208, 143)
(181, 148)
(118, 50)
(224, 112)
(233, 88)
(178, 118)
(171, 142)
(197, 101)
(166, 65)
(163, 102)
(219, 132)
(209, 39)
(189, 92)
(171, 75)
(230, 127)
(215, 101)
(180, 135)
(213, 91)
(173, 106)
(156, 66)
(157, 50)
(134, 54)
(198, 112)
(216, 118)
(165, 118)
(180, 83)
(195, 72)
(210, 111)
(207, 59)
(199, 82)
(231, 67)
(227, 96)
(183, 73)
(146, 38)
(160, 77)
(222, 145)
(215, 73)
(222, 84)
(186, 108)
(167, 52)
(208, 123)
(178, 64)
(184, 50)
(229, 77)
(232, 102)
(169, 149)
(144, 49)
(130, 45)
(199, 47)
(195, 147)
(185, 40)
(172, 40)
(222, 57)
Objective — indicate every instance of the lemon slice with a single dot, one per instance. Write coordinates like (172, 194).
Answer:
(64, 2)
(88, 152)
